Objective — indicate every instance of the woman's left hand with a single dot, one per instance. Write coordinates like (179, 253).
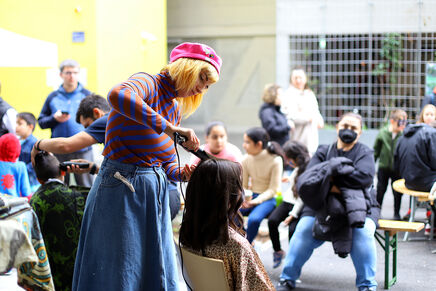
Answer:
(187, 171)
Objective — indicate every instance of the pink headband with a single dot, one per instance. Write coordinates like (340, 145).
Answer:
(196, 51)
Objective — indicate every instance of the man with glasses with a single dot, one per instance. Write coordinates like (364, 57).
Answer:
(57, 111)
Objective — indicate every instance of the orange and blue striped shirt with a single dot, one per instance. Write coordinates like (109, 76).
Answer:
(142, 107)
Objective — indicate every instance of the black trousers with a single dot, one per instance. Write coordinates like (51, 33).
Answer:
(383, 177)
(278, 215)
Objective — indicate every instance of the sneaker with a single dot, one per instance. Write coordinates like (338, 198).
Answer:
(285, 285)
(277, 258)
(366, 288)
(427, 230)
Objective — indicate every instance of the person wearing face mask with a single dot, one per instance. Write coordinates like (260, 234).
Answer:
(337, 182)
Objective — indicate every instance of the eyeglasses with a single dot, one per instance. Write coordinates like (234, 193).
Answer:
(70, 73)
(402, 122)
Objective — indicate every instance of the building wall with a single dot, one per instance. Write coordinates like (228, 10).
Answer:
(243, 34)
(119, 41)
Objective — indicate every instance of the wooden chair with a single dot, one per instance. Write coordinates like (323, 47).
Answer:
(415, 197)
(205, 274)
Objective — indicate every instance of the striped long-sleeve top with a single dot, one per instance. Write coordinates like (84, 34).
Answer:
(142, 107)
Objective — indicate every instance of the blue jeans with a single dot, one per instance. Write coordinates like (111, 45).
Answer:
(363, 251)
(256, 214)
(126, 241)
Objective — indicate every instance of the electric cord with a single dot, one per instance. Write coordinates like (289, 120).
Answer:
(176, 136)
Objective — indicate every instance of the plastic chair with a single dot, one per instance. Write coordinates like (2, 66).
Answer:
(204, 273)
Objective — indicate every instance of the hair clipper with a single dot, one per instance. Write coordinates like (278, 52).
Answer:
(201, 154)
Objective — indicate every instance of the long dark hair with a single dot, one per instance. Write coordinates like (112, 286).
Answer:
(213, 199)
(298, 152)
(257, 134)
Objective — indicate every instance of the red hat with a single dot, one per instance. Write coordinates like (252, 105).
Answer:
(10, 148)
(196, 51)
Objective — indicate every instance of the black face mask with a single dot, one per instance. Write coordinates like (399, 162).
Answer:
(347, 135)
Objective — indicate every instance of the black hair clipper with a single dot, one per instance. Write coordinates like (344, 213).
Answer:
(201, 154)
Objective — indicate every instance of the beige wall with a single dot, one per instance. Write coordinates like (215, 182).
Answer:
(243, 34)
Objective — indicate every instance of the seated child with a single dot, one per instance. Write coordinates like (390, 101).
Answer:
(60, 210)
(212, 224)
(217, 144)
(25, 126)
(262, 173)
(289, 210)
(13, 174)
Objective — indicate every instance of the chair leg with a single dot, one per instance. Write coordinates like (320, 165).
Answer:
(413, 202)
(433, 210)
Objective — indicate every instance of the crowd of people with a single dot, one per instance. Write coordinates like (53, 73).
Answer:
(111, 229)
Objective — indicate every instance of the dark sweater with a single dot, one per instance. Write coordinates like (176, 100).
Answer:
(274, 122)
(415, 157)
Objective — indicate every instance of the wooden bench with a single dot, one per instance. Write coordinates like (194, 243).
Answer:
(389, 242)
(415, 197)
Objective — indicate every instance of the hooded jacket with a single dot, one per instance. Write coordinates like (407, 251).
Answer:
(352, 172)
(274, 122)
(415, 156)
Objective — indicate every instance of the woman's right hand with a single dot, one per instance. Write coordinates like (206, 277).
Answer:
(192, 142)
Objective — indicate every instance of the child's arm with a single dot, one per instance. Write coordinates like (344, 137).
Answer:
(245, 173)
(377, 147)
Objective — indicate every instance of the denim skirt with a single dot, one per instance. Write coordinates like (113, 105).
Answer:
(126, 241)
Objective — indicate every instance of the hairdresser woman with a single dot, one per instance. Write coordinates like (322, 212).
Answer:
(126, 240)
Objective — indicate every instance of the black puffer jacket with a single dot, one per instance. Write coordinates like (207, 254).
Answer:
(415, 156)
(352, 172)
(274, 122)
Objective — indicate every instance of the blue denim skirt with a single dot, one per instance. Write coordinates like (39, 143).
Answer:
(126, 241)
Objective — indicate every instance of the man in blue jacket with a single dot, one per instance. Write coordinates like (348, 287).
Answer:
(56, 114)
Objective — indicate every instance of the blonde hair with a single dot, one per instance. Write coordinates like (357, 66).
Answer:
(421, 115)
(270, 93)
(185, 73)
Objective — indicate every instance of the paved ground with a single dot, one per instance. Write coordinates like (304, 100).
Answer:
(325, 271)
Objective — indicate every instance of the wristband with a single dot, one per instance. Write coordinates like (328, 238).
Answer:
(93, 169)
(37, 145)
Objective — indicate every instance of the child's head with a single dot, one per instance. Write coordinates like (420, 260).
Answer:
(256, 139)
(213, 198)
(297, 153)
(428, 114)
(216, 136)
(46, 167)
(10, 148)
(26, 122)
(398, 120)
(271, 94)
